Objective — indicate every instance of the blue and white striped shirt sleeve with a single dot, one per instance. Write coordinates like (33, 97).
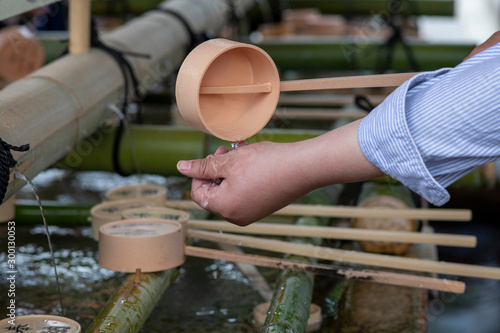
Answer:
(438, 126)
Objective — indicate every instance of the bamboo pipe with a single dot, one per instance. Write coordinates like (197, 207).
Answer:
(290, 305)
(391, 278)
(298, 53)
(129, 307)
(371, 259)
(437, 214)
(73, 108)
(274, 229)
(79, 26)
(362, 81)
(154, 156)
(365, 7)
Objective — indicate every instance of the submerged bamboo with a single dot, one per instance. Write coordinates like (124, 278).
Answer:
(291, 303)
(129, 307)
(292, 297)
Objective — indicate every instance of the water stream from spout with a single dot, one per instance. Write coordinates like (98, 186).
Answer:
(35, 193)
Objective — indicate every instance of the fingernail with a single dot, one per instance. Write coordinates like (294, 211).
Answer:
(184, 165)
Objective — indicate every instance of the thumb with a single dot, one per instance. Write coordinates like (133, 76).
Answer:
(207, 168)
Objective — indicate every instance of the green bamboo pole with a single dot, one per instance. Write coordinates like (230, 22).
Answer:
(334, 54)
(372, 7)
(344, 7)
(159, 148)
(119, 8)
(129, 307)
(292, 295)
(56, 213)
(291, 303)
(358, 54)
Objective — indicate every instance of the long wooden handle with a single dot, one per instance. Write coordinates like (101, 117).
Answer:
(436, 214)
(262, 228)
(361, 81)
(371, 259)
(398, 279)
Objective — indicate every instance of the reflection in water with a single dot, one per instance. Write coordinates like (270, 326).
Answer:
(477, 310)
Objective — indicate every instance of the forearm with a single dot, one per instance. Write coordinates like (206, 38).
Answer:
(334, 157)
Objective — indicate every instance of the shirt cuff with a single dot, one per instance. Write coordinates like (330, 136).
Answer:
(386, 141)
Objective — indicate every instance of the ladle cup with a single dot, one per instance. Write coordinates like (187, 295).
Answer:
(231, 89)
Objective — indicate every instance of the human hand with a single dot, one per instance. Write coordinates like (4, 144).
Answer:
(253, 181)
(248, 183)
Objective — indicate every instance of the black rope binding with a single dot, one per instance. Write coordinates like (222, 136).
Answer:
(7, 162)
(195, 38)
(129, 77)
(363, 103)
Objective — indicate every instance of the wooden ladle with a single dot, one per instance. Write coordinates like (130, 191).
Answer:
(231, 89)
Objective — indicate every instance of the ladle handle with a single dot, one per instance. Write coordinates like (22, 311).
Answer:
(361, 81)
(265, 87)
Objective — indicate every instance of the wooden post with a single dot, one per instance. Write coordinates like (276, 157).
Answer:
(79, 26)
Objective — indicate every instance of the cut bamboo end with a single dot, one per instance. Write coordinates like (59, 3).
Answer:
(244, 89)
(262, 228)
(370, 259)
